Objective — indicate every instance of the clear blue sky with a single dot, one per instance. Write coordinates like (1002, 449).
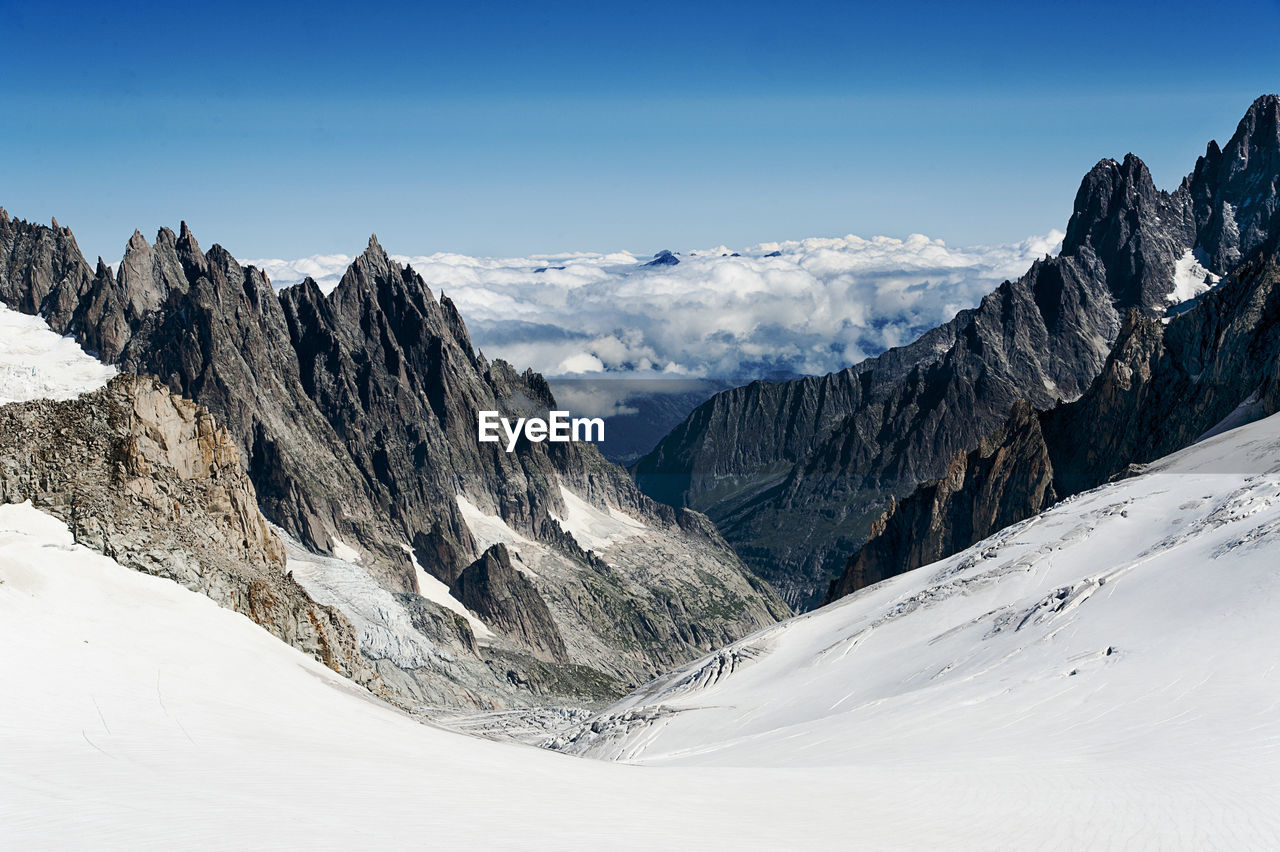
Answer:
(500, 128)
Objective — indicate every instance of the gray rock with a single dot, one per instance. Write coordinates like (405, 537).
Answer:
(663, 258)
(508, 602)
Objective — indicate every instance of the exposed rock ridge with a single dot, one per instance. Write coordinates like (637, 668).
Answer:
(151, 480)
(507, 600)
(795, 473)
(1213, 367)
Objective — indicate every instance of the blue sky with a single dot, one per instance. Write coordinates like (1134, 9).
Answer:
(502, 129)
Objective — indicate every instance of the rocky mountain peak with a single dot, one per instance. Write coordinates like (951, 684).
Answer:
(1259, 128)
(820, 457)
(1233, 190)
(1108, 191)
(371, 266)
(663, 258)
(194, 263)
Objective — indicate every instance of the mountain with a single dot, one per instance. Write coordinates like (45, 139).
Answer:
(794, 474)
(1108, 664)
(1165, 385)
(354, 415)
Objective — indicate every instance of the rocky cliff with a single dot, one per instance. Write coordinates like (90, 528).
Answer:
(794, 474)
(1164, 386)
(151, 480)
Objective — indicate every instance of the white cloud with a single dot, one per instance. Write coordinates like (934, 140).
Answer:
(823, 304)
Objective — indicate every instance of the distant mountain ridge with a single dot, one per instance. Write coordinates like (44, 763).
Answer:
(794, 474)
(1211, 368)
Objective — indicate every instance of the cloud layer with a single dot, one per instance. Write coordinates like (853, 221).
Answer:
(820, 305)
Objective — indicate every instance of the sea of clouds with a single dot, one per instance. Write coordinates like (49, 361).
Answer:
(719, 315)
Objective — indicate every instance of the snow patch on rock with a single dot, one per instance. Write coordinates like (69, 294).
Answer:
(35, 363)
(1190, 279)
(385, 629)
(595, 528)
(344, 551)
(433, 589)
(487, 529)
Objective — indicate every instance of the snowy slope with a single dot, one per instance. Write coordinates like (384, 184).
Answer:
(139, 715)
(1129, 635)
(35, 363)
(971, 704)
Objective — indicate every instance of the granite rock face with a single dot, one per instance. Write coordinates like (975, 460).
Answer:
(354, 413)
(1164, 386)
(1008, 478)
(507, 601)
(794, 474)
(151, 480)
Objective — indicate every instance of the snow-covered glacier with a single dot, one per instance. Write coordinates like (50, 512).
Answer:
(1102, 674)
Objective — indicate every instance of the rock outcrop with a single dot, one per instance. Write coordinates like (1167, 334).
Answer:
(153, 481)
(508, 602)
(795, 473)
(663, 258)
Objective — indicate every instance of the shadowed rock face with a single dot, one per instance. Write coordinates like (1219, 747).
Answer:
(151, 480)
(354, 413)
(794, 474)
(1163, 387)
(507, 601)
(1006, 479)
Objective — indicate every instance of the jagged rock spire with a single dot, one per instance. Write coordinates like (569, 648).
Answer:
(193, 260)
(1260, 126)
(1105, 193)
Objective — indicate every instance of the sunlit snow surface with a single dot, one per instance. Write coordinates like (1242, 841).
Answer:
(1125, 641)
(596, 528)
(35, 363)
(1104, 675)
(1190, 279)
